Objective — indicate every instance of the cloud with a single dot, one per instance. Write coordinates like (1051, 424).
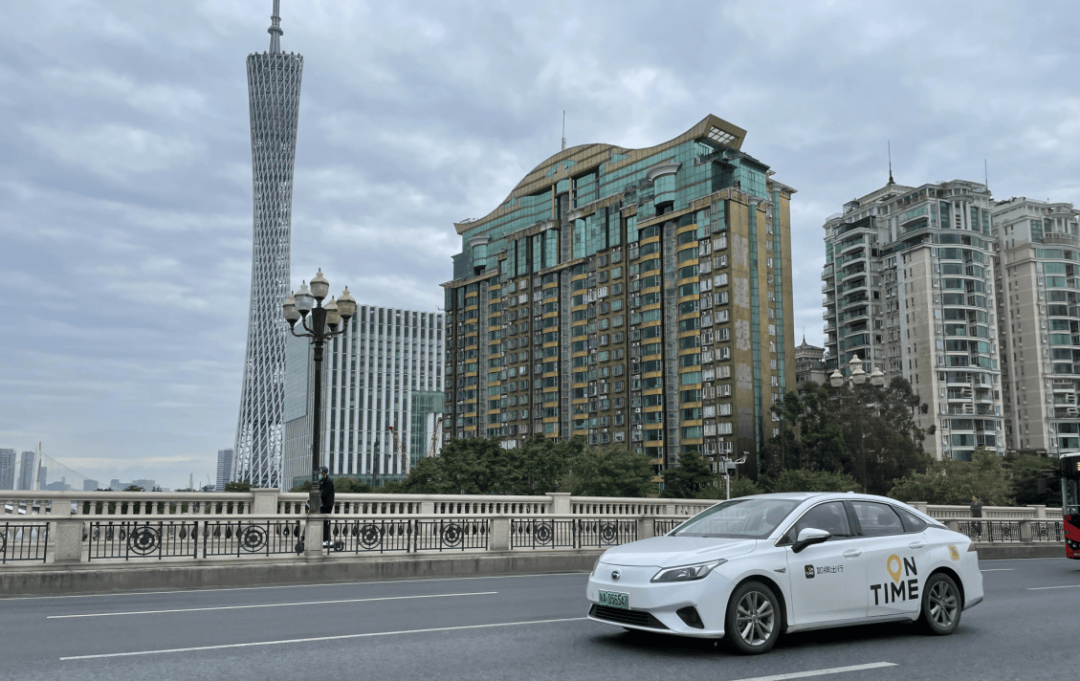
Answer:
(116, 151)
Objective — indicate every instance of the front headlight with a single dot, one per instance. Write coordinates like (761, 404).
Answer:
(687, 573)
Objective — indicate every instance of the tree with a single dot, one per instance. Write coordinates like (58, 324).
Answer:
(611, 472)
(134, 488)
(1036, 479)
(804, 480)
(347, 486)
(869, 432)
(743, 487)
(956, 482)
(691, 479)
(238, 486)
(543, 463)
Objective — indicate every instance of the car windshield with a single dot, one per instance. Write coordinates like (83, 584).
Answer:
(750, 518)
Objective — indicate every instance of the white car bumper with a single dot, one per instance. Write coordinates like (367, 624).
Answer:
(661, 607)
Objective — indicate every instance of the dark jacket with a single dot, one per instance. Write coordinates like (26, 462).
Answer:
(976, 509)
(326, 495)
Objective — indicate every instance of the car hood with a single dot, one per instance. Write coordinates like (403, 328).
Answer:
(670, 551)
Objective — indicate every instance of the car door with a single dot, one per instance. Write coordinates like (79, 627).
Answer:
(828, 580)
(894, 558)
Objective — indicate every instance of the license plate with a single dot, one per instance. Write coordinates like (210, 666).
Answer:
(614, 599)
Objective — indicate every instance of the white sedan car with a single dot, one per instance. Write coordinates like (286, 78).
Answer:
(753, 567)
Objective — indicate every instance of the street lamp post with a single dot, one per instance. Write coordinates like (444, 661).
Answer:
(322, 327)
(856, 378)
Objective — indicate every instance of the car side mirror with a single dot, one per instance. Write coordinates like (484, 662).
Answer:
(809, 536)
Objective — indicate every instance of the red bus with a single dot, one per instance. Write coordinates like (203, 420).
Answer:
(1070, 502)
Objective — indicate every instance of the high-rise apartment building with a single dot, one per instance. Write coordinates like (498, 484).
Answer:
(26, 470)
(224, 468)
(382, 373)
(1038, 285)
(631, 296)
(909, 288)
(7, 469)
(274, 98)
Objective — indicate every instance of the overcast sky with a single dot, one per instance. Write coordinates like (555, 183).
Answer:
(125, 164)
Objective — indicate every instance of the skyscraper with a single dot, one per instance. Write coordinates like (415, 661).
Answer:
(631, 296)
(7, 469)
(224, 468)
(1038, 277)
(26, 471)
(274, 98)
(386, 371)
(909, 288)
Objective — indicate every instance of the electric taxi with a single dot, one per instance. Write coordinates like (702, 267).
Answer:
(753, 567)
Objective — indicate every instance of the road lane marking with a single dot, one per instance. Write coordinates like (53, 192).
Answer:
(335, 585)
(822, 672)
(1043, 588)
(267, 605)
(998, 570)
(317, 639)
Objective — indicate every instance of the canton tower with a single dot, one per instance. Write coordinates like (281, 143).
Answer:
(274, 103)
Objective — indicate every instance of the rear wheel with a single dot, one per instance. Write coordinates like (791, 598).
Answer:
(753, 619)
(941, 605)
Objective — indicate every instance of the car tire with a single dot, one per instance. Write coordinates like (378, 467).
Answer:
(753, 619)
(941, 605)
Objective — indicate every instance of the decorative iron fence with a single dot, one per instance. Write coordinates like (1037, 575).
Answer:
(575, 534)
(22, 541)
(1012, 531)
(363, 536)
(662, 527)
(241, 537)
(457, 534)
(145, 539)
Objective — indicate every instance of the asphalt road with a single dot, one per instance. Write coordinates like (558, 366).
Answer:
(526, 627)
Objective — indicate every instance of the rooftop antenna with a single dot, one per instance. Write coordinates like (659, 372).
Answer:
(986, 175)
(564, 130)
(890, 162)
(275, 29)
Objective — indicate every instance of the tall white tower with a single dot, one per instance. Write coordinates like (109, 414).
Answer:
(274, 97)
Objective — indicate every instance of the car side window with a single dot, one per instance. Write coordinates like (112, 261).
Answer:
(877, 520)
(912, 522)
(830, 516)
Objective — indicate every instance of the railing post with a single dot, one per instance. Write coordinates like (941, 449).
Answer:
(1040, 511)
(1025, 531)
(264, 502)
(645, 528)
(68, 540)
(313, 538)
(499, 537)
(560, 503)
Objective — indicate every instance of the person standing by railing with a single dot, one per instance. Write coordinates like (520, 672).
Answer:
(326, 501)
(976, 512)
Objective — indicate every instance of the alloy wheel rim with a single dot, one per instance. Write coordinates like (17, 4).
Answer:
(755, 618)
(943, 604)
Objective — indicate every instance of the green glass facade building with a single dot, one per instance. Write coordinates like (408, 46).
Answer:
(631, 296)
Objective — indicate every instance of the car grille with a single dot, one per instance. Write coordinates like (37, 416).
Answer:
(632, 617)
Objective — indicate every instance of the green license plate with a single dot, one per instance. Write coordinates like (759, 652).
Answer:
(614, 599)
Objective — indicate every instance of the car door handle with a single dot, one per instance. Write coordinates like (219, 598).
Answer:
(852, 553)
(917, 544)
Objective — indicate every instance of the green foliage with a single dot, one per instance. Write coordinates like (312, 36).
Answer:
(956, 482)
(306, 487)
(134, 488)
(346, 486)
(868, 432)
(691, 479)
(804, 480)
(741, 487)
(1036, 479)
(611, 472)
(238, 486)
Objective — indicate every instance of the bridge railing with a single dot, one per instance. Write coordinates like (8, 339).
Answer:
(73, 527)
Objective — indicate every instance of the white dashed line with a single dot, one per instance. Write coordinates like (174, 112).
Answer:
(821, 672)
(323, 638)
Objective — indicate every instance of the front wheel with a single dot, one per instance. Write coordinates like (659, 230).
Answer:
(753, 619)
(940, 605)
